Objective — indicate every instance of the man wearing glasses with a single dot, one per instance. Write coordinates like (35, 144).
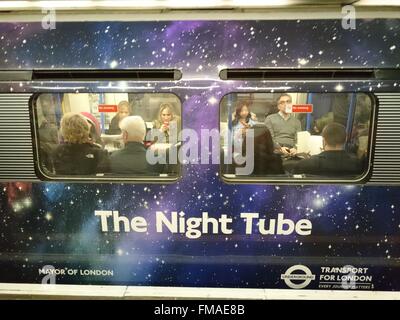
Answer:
(284, 127)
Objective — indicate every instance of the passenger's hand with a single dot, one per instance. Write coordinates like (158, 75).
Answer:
(164, 128)
(285, 150)
(293, 151)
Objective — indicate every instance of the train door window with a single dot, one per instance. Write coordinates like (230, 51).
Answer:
(106, 136)
(289, 137)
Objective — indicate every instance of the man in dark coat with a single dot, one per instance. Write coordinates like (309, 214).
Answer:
(334, 160)
(132, 158)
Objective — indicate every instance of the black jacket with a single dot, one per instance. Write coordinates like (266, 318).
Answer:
(330, 163)
(79, 159)
(130, 160)
(265, 164)
(114, 126)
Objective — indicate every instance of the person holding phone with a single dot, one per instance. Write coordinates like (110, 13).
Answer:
(166, 120)
(242, 120)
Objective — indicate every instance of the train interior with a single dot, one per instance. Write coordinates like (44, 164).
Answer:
(351, 110)
(103, 112)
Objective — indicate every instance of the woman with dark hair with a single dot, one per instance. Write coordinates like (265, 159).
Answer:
(242, 121)
(265, 160)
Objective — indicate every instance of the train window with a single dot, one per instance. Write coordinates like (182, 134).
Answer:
(106, 136)
(296, 137)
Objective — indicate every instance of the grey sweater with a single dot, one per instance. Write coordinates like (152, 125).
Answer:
(284, 132)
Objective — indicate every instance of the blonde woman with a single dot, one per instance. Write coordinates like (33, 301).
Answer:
(166, 119)
(78, 154)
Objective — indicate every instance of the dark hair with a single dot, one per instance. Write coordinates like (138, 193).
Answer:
(265, 161)
(263, 143)
(334, 134)
(238, 109)
(284, 95)
(94, 136)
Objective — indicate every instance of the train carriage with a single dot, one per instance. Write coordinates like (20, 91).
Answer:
(202, 214)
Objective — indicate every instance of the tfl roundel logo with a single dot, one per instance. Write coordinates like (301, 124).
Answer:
(298, 277)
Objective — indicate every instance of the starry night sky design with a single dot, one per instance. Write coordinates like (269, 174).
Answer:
(54, 223)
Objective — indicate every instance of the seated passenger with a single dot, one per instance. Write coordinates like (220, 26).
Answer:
(123, 111)
(322, 122)
(362, 138)
(334, 160)
(166, 118)
(284, 127)
(242, 121)
(48, 137)
(94, 131)
(265, 160)
(78, 155)
(253, 116)
(132, 158)
(270, 109)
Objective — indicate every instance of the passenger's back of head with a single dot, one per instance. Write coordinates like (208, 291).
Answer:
(263, 143)
(78, 155)
(132, 158)
(133, 129)
(334, 160)
(334, 135)
(265, 160)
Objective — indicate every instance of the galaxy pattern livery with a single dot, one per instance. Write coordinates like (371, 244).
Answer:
(53, 224)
